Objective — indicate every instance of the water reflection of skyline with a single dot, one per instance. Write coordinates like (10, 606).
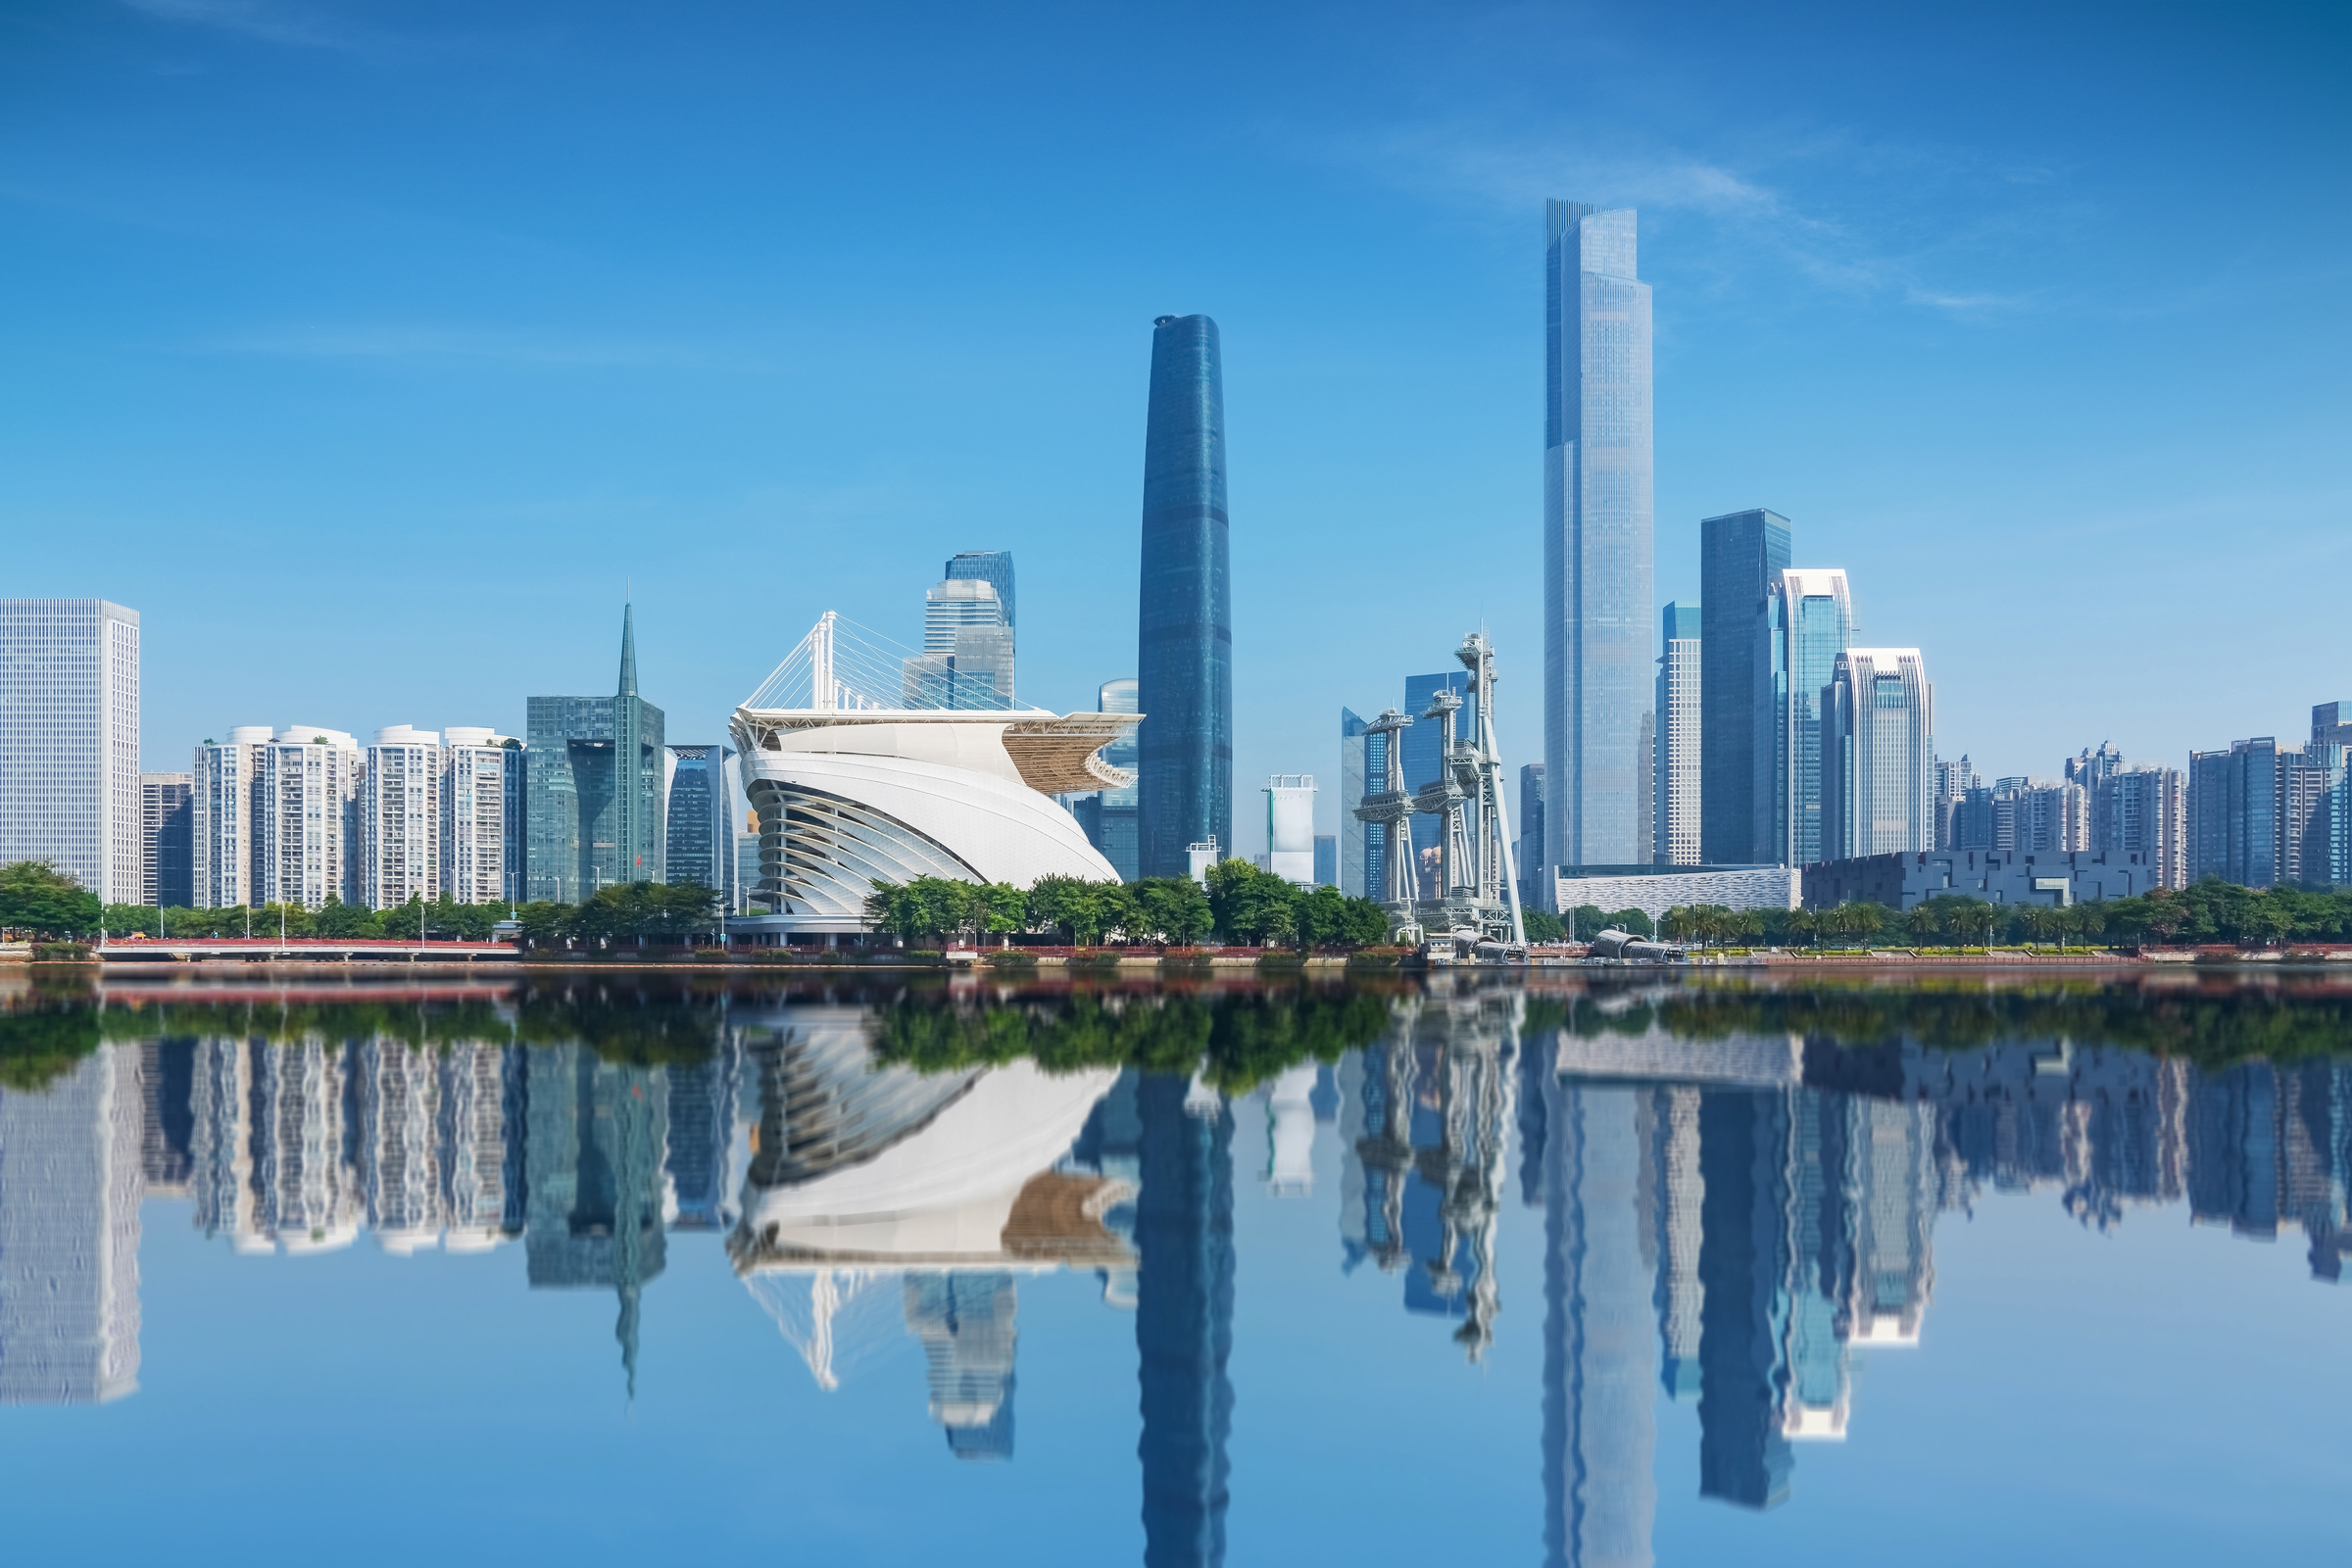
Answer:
(1729, 1223)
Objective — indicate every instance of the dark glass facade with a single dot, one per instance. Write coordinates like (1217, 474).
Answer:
(701, 848)
(1740, 555)
(595, 769)
(991, 567)
(1184, 654)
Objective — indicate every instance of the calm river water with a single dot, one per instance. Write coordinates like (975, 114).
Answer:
(1482, 1270)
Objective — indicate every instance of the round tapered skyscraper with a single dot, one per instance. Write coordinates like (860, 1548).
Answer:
(1184, 657)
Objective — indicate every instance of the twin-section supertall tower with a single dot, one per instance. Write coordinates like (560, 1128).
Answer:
(1597, 541)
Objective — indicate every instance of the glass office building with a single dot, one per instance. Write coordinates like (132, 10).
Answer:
(1363, 846)
(967, 656)
(595, 766)
(1682, 679)
(1741, 556)
(69, 740)
(1531, 834)
(1185, 625)
(1809, 620)
(991, 567)
(167, 840)
(700, 844)
(1877, 755)
(1109, 816)
(1597, 514)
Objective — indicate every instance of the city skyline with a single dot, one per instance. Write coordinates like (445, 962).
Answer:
(1957, 281)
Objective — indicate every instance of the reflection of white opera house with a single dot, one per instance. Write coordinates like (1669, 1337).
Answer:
(861, 772)
(882, 1203)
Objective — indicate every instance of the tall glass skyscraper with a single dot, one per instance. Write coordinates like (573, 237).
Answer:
(69, 740)
(1185, 622)
(1741, 556)
(1809, 620)
(1596, 539)
(595, 766)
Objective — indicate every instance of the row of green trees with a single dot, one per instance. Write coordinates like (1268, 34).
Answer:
(1241, 902)
(37, 899)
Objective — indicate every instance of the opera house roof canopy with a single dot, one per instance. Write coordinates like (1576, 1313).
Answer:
(863, 772)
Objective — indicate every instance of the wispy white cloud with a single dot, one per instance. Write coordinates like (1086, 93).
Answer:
(290, 24)
(455, 346)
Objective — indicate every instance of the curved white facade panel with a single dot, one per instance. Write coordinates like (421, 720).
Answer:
(833, 823)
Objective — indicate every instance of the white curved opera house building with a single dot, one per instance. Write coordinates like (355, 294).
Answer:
(858, 776)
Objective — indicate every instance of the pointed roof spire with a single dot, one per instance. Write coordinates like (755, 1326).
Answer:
(628, 651)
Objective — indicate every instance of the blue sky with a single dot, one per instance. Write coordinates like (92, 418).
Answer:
(367, 349)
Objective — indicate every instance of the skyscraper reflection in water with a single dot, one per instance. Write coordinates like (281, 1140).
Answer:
(1184, 1319)
(1600, 1431)
(596, 1135)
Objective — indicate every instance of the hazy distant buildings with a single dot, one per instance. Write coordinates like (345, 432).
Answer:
(1111, 816)
(1680, 765)
(166, 841)
(1184, 658)
(1878, 750)
(69, 740)
(1954, 781)
(1597, 520)
(1291, 827)
(595, 766)
(1809, 620)
(1741, 556)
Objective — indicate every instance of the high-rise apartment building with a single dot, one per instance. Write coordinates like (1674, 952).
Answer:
(483, 796)
(1108, 817)
(1878, 752)
(166, 841)
(2330, 725)
(967, 656)
(2144, 811)
(400, 816)
(1741, 556)
(1184, 653)
(1809, 620)
(306, 819)
(594, 817)
(1597, 523)
(1680, 766)
(1954, 781)
(221, 826)
(701, 825)
(69, 740)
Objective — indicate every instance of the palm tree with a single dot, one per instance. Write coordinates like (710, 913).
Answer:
(1922, 922)
(1803, 924)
